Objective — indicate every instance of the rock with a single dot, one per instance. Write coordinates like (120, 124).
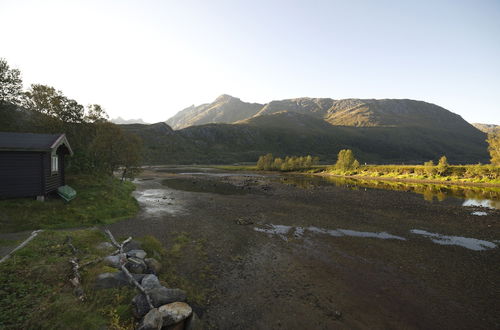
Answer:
(193, 322)
(115, 280)
(159, 296)
(105, 246)
(162, 296)
(150, 282)
(141, 254)
(152, 321)
(243, 221)
(154, 266)
(175, 312)
(112, 261)
(136, 265)
(132, 245)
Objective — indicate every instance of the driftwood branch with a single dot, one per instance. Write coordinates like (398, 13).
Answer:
(69, 241)
(91, 262)
(76, 280)
(20, 246)
(123, 262)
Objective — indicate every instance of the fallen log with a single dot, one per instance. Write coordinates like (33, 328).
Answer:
(20, 246)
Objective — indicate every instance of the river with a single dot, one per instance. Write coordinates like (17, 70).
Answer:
(271, 251)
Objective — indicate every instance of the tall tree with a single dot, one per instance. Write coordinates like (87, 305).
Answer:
(51, 102)
(112, 148)
(95, 113)
(494, 147)
(346, 160)
(11, 84)
(442, 166)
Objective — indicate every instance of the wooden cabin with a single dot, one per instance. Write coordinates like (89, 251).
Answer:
(32, 164)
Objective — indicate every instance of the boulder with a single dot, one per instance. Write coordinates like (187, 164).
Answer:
(112, 261)
(159, 296)
(175, 312)
(141, 254)
(132, 245)
(115, 280)
(154, 266)
(136, 265)
(153, 320)
(150, 282)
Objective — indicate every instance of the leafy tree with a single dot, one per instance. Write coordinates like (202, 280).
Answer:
(112, 148)
(11, 84)
(442, 166)
(51, 102)
(278, 162)
(265, 162)
(429, 167)
(346, 160)
(95, 113)
(494, 147)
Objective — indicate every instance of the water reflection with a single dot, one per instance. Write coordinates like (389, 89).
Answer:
(475, 196)
(480, 213)
(466, 242)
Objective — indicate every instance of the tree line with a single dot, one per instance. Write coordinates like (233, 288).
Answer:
(99, 145)
(294, 163)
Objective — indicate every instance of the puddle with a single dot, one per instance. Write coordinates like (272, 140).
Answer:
(278, 230)
(157, 202)
(480, 213)
(204, 186)
(480, 203)
(283, 231)
(468, 243)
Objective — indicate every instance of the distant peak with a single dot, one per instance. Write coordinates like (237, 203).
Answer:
(225, 98)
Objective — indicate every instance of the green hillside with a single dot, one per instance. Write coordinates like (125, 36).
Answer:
(289, 133)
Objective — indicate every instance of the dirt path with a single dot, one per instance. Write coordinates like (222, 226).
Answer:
(278, 256)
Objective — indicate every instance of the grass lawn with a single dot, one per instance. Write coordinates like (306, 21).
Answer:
(99, 200)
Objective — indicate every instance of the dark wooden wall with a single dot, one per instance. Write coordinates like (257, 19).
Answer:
(20, 173)
(53, 181)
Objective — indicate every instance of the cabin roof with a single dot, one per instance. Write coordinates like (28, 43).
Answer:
(32, 142)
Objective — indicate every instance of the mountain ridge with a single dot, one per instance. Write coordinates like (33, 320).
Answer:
(344, 112)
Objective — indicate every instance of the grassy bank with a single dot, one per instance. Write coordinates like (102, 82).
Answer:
(36, 293)
(99, 200)
(469, 174)
(452, 174)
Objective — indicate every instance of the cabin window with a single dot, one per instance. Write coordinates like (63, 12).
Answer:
(55, 164)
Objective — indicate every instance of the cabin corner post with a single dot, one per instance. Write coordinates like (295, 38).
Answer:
(41, 196)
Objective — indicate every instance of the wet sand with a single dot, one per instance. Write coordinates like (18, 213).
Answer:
(281, 256)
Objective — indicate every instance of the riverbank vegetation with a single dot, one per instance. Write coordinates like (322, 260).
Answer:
(293, 163)
(101, 200)
(347, 165)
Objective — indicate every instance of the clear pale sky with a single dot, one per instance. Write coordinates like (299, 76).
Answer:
(150, 59)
